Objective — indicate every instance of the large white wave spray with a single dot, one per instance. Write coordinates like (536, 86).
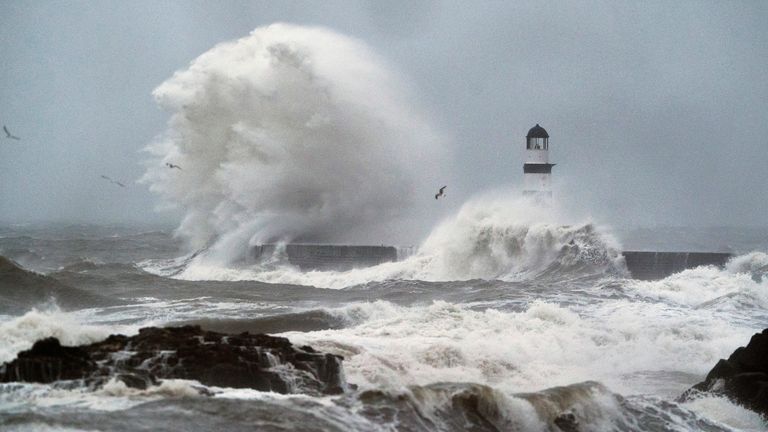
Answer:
(290, 134)
(495, 236)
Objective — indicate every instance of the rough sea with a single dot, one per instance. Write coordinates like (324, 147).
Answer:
(503, 318)
(501, 328)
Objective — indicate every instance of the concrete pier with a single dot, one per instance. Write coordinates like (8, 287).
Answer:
(643, 265)
(328, 257)
(658, 265)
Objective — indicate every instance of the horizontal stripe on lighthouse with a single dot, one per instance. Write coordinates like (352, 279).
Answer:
(530, 168)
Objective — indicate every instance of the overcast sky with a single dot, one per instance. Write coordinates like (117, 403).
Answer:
(657, 111)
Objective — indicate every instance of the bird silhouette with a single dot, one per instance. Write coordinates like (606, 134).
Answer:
(172, 166)
(440, 193)
(8, 134)
(112, 181)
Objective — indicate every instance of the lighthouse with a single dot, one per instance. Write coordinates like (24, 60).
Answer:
(537, 170)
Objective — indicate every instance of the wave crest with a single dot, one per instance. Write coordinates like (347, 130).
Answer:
(290, 133)
(492, 239)
(740, 285)
(20, 333)
(513, 238)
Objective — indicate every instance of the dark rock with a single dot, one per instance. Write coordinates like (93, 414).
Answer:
(743, 378)
(141, 380)
(48, 361)
(567, 422)
(246, 360)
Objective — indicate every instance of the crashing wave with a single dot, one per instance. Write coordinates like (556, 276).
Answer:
(20, 333)
(290, 133)
(753, 263)
(740, 285)
(489, 238)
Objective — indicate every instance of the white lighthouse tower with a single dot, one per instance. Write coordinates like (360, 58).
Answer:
(537, 169)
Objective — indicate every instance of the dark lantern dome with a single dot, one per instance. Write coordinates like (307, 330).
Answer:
(537, 132)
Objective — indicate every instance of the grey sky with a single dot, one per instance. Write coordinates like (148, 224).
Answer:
(657, 110)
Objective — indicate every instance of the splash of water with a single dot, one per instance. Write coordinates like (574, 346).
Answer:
(490, 237)
(290, 133)
(500, 237)
(20, 333)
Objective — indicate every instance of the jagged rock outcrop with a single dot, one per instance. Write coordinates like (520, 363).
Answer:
(245, 360)
(743, 378)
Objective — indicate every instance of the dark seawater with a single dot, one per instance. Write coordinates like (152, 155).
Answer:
(505, 333)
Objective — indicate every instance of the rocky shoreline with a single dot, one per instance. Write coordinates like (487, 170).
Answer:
(244, 360)
(742, 378)
(268, 363)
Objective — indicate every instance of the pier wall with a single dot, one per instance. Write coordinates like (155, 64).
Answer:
(328, 257)
(643, 265)
(658, 265)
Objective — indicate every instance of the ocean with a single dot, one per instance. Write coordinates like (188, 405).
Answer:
(485, 326)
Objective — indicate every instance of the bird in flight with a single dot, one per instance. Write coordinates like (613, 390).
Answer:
(172, 166)
(440, 194)
(8, 134)
(112, 181)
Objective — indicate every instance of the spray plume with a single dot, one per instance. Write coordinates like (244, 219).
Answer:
(290, 134)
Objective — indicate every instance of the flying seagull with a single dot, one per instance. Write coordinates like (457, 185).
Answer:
(441, 194)
(112, 181)
(8, 134)
(172, 166)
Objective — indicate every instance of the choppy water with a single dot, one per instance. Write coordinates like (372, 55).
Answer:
(546, 321)
(504, 318)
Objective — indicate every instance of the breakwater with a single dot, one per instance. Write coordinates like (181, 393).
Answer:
(327, 257)
(645, 265)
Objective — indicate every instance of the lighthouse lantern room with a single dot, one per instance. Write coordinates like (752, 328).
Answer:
(537, 169)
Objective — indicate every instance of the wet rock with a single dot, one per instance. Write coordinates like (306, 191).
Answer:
(567, 422)
(48, 361)
(245, 360)
(743, 378)
(141, 380)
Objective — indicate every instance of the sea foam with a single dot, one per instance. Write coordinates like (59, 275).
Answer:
(489, 237)
(20, 333)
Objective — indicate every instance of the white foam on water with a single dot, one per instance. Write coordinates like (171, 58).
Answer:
(112, 396)
(734, 288)
(341, 415)
(20, 333)
(393, 348)
(490, 237)
(722, 410)
(755, 263)
(435, 403)
(546, 345)
(155, 312)
(168, 388)
(626, 345)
